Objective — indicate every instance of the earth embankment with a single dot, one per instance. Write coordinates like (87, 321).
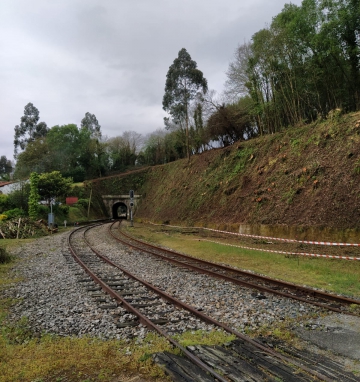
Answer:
(306, 177)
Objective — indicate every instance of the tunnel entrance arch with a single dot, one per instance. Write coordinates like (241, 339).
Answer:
(112, 204)
(119, 211)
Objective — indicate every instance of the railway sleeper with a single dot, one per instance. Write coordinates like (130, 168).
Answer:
(318, 362)
(93, 289)
(100, 299)
(137, 298)
(108, 306)
(180, 369)
(139, 305)
(233, 368)
(127, 323)
(130, 292)
(266, 362)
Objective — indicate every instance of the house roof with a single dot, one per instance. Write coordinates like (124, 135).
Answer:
(3, 183)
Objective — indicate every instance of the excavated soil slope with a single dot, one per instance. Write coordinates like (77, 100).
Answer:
(303, 177)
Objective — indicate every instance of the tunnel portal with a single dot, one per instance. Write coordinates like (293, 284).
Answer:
(119, 211)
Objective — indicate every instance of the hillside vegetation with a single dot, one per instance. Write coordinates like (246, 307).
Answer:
(302, 177)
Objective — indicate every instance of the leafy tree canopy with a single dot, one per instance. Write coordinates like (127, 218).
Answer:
(29, 128)
(90, 123)
(35, 158)
(5, 166)
(183, 81)
(53, 185)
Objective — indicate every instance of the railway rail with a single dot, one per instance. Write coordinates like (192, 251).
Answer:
(135, 301)
(332, 302)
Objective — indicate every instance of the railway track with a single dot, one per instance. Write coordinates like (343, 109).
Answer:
(134, 301)
(332, 302)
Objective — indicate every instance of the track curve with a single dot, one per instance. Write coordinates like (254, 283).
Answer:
(321, 299)
(90, 263)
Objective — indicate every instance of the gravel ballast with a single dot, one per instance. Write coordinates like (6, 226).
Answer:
(53, 300)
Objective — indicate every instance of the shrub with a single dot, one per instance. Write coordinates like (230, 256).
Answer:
(82, 203)
(4, 203)
(64, 209)
(4, 256)
(15, 213)
(78, 191)
(43, 211)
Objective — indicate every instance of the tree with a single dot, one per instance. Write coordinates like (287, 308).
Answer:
(65, 148)
(29, 129)
(19, 197)
(123, 150)
(90, 123)
(53, 185)
(237, 73)
(5, 167)
(34, 196)
(94, 156)
(183, 81)
(35, 158)
(231, 123)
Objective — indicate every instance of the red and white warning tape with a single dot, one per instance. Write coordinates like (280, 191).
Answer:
(289, 240)
(276, 238)
(272, 238)
(286, 253)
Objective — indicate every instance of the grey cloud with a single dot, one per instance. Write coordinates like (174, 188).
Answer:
(110, 57)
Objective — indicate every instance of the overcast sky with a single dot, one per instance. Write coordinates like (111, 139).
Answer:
(110, 57)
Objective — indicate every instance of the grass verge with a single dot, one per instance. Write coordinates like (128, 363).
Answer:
(27, 357)
(339, 276)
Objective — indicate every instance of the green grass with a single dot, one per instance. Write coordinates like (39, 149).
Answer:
(200, 337)
(76, 359)
(25, 357)
(339, 276)
(28, 358)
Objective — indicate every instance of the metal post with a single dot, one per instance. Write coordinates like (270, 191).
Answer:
(131, 194)
(88, 211)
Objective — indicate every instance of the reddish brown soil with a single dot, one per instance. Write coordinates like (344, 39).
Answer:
(306, 177)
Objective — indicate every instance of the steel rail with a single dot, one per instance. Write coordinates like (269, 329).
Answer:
(142, 319)
(198, 314)
(298, 288)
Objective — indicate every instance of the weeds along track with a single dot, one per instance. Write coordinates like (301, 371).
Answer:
(135, 302)
(260, 283)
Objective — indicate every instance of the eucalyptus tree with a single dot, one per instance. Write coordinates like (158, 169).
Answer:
(93, 156)
(29, 128)
(90, 123)
(183, 81)
(6, 167)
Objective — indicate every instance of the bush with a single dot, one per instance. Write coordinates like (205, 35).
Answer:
(15, 213)
(4, 256)
(43, 211)
(19, 198)
(78, 191)
(64, 209)
(82, 203)
(4, 203)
